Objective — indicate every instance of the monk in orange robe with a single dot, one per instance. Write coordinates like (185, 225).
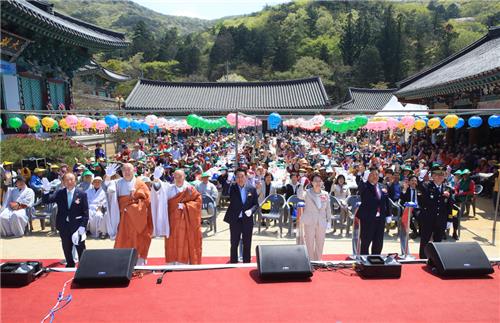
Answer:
(135, 225)
(184, 243)
(178, 218)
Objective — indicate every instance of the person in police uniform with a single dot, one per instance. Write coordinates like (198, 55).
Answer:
(436, 204)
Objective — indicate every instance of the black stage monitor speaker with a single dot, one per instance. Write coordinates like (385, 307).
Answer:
(378, 267)
(105, 267)
(459, 259)
(283, 262)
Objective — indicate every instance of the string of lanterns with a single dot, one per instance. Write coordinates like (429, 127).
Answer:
(154, 123)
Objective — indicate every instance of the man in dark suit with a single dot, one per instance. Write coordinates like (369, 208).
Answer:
(243, 202)
(372, 212)
(292, 187)
(72, 215)
(436, 204)
(393, 187)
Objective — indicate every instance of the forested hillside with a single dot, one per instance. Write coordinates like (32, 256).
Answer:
(347, 43)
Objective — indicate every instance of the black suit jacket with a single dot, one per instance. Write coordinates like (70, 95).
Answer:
(236, 206)
(435, 207)
(289, 191)
(406, 196)
(77, 214)
(370, 204)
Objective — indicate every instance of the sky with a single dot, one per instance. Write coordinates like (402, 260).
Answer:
(207, 9)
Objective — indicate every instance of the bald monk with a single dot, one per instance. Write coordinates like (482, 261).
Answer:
(177, 216)
(132, 196)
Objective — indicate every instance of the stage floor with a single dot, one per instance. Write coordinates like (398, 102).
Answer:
(237, 295)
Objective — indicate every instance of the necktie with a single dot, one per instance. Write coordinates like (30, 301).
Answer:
(70, 198)
(412, 195)
(377, 191)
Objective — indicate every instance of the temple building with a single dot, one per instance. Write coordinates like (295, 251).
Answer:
(40, 51)
(94, 87)
(468, 79)
(293, 97)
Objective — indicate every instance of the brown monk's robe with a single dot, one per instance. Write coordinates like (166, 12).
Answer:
(184, 243)
(136, 223)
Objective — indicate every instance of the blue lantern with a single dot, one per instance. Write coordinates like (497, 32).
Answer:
(135, 125)
(274, 121)
(111, 120)
(123, 123)
(461, 123)
(443, 125)
(144, 126)
(494, 121)
(475, 122)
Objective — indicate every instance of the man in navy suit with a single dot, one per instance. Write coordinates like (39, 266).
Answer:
(372, 212)
(243, 202)
(72, 215)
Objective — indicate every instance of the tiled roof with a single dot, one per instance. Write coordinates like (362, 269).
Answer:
(478, 61)
(360, 99)
(301, 95)
(59, 26)
(93, 67)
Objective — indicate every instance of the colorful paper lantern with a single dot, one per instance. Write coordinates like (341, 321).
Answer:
(111, 120)
(419, 124)
(32, 121)
(460, 123)
(475, 122)
(71, 121)
(15, 123)
(451, 120)
(494, 121)
(62, 123)
(434, 123)
(48, 123)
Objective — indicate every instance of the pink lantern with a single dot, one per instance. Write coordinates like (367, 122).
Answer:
(392, 123)
(71, 121)
(151, 120)
(101, 125)
(86, 123)
(231, 119)
(408, 121)
(114, 128)
(161, 123)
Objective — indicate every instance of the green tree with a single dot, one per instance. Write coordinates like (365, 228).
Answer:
(169, 45)
(348, 42)
(368, 69)
(189, 56)
(143, 41)
(161, 71)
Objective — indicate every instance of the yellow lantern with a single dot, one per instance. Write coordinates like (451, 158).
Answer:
(79, 125)
(48, 123)
(32, 121)
(63, 124)
(451, 120)
(419, 124)
(434, 123)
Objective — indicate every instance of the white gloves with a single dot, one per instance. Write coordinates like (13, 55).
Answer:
(81, 232)
(248, 212)
(46, 185)
(111, 169)
(158, 172)
(180, 206)
(388, 219)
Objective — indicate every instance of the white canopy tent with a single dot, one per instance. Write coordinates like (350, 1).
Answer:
(393, 108)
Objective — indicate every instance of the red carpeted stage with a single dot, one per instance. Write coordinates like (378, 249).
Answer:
(235, 295)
